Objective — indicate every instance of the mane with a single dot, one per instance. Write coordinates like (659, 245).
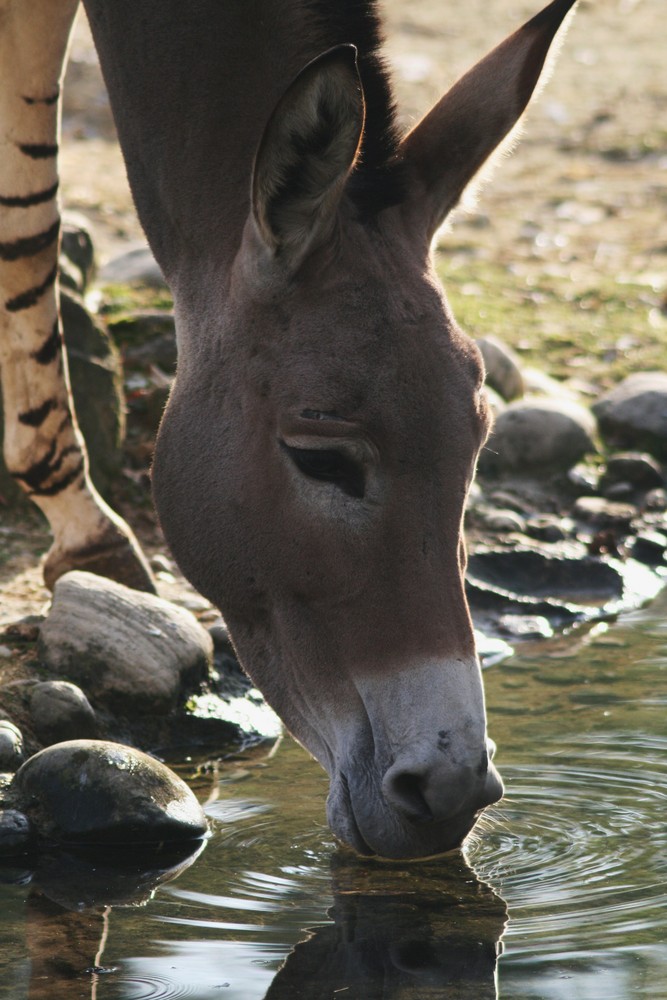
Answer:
(377, 181)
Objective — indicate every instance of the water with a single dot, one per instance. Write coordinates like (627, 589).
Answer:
(562, 894)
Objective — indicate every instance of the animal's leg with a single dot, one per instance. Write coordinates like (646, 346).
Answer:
(43, 447)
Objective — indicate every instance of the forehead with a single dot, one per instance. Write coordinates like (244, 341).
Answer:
(369, 343)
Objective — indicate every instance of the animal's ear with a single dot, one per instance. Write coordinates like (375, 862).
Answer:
(447, 148)
(308, 149)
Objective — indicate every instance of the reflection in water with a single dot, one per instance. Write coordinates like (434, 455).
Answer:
(68, 907)
(400, 933)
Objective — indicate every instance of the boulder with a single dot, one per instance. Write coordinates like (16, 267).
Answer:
(131, 652)
(634, 413)
(97, 792)
(537, 435)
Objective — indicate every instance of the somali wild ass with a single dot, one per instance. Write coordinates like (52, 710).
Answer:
(313, 461)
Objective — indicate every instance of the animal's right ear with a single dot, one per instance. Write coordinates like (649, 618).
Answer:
(307, 152)
(447, 148)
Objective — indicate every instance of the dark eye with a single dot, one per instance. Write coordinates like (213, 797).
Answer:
(329, 466)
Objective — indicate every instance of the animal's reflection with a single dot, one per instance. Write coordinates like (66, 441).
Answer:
(398, 932)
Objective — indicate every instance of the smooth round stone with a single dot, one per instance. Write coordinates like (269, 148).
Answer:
(61, 711)
(634, 413)
(11, 746)
(97, 792)
(14, 831)
(534, 435)
(503, 372)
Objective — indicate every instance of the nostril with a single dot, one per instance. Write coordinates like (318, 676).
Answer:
(404, 790)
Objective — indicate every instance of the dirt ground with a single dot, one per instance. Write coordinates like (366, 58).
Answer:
(582, 200)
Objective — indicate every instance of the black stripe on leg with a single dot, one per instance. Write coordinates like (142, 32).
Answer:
(29, 246)
(51, 99)
(60, 484)
(42, 470)
(32, 296)
(38, 414)
(49, 350)
(38, 150)
(28, 200)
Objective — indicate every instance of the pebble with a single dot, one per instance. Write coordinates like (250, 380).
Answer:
(503, 372)
(538, 435)
(15, 831)
(603, 513)
(11, 746)
(61, 711)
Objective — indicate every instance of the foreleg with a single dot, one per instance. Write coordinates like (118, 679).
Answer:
(43, 446)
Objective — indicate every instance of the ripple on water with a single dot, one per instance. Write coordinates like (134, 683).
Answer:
(578, 848)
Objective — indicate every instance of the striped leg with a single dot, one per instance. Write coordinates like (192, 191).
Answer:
(43, 447)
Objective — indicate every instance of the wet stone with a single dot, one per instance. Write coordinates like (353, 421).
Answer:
(603, 513)
(525, 626)
(15, 831)
(649, 547)
(61, 711)
(97, 792)
(503, 521)
(656, 500)
(549, 527)
(11, 746)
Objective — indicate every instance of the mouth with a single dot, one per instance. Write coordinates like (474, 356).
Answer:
(394, 838)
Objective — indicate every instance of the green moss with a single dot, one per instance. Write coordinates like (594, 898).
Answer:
(598, 329)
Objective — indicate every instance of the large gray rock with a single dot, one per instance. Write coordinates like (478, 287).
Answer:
(534, 435)
(502, 368)
(93, 792)
(634, 413)
(132, 652)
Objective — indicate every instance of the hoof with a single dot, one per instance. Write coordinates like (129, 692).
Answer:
(116, 557)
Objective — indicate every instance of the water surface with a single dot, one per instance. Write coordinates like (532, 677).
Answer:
(565, 881)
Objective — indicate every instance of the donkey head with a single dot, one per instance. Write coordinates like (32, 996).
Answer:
(314, 460)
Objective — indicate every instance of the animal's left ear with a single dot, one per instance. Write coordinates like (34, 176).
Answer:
(447, 148)
(308, 150)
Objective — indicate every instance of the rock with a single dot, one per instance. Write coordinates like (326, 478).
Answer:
(61, 711)
(525, 626)
(136, 267)
(649, 547)
(639, 471)
(503, 521)
(538, 383)
(583, 480)
(634, 413)
(78, 251)
(495, 401)
(539, 435)
(131, 652)
(604, 513)
(502, 368)
(549, 527)
(11, 746)
(147, 338)
(15, 831)
(656, 500)
(96, 792)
